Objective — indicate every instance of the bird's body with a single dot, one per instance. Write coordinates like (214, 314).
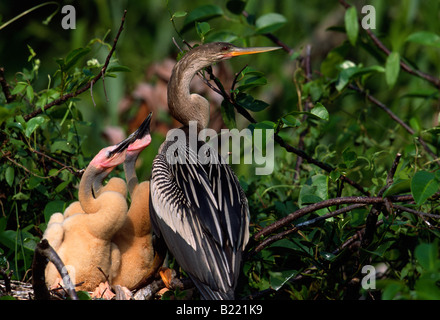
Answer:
(139, 261)
(83, 238)
(197, 206)
(205, 226)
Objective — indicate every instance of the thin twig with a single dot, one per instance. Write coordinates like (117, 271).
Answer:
(418, 213)
(71, 169)
(390, 175)
(68, 96)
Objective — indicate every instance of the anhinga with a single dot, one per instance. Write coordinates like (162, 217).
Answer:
(139, 261)
(199, 208)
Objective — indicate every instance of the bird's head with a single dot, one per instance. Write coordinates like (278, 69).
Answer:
(218, 51)
(142, 137)
(112, 156)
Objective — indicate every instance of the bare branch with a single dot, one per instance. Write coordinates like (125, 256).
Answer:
(43, 254)
(325, 204)
(285, 233)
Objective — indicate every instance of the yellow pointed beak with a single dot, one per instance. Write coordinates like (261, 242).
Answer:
(252, 50)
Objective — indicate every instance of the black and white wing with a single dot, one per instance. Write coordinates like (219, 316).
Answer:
(202, 214)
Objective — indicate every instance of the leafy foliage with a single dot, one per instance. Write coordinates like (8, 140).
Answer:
(356, 129)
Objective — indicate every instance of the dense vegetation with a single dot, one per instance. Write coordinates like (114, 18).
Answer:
(352, 96)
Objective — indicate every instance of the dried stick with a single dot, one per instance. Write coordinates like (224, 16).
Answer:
(89, 85)
(325, 204)
(285, 233)
(43, 254)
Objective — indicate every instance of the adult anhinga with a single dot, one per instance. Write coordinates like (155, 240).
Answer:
(198, 207)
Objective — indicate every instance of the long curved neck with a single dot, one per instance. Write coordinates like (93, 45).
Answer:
(183, 105)
(91, 177)
(130, 171)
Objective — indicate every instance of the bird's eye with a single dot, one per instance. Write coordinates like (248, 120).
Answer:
(225, 48)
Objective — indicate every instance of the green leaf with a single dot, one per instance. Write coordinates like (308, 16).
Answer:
(10, 174)
(252, 82)
(351, 25)
(228, 114)
(278, 279)
(179, 14)
(269, 23)
(290, 121)
(350, 157)
(202, 13)
(118, 68)
(51, 208)
(30, 93)
(11, 238)
(266, 124)
(32, 53)
(351, 72)
(425, 38)
(397, 187)
(202, 29)
(20, 196)
(314, 190)
(84, 295)
(320, 111)
(61, 145)
(248, 102)
(392, 68)
(74, 56)
(423, 185)
(221, 36)
(427, 255)
(19, 88)
(33, 124)
(427, 287)
(62, 186)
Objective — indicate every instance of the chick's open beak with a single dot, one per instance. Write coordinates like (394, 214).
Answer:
(142, 131)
